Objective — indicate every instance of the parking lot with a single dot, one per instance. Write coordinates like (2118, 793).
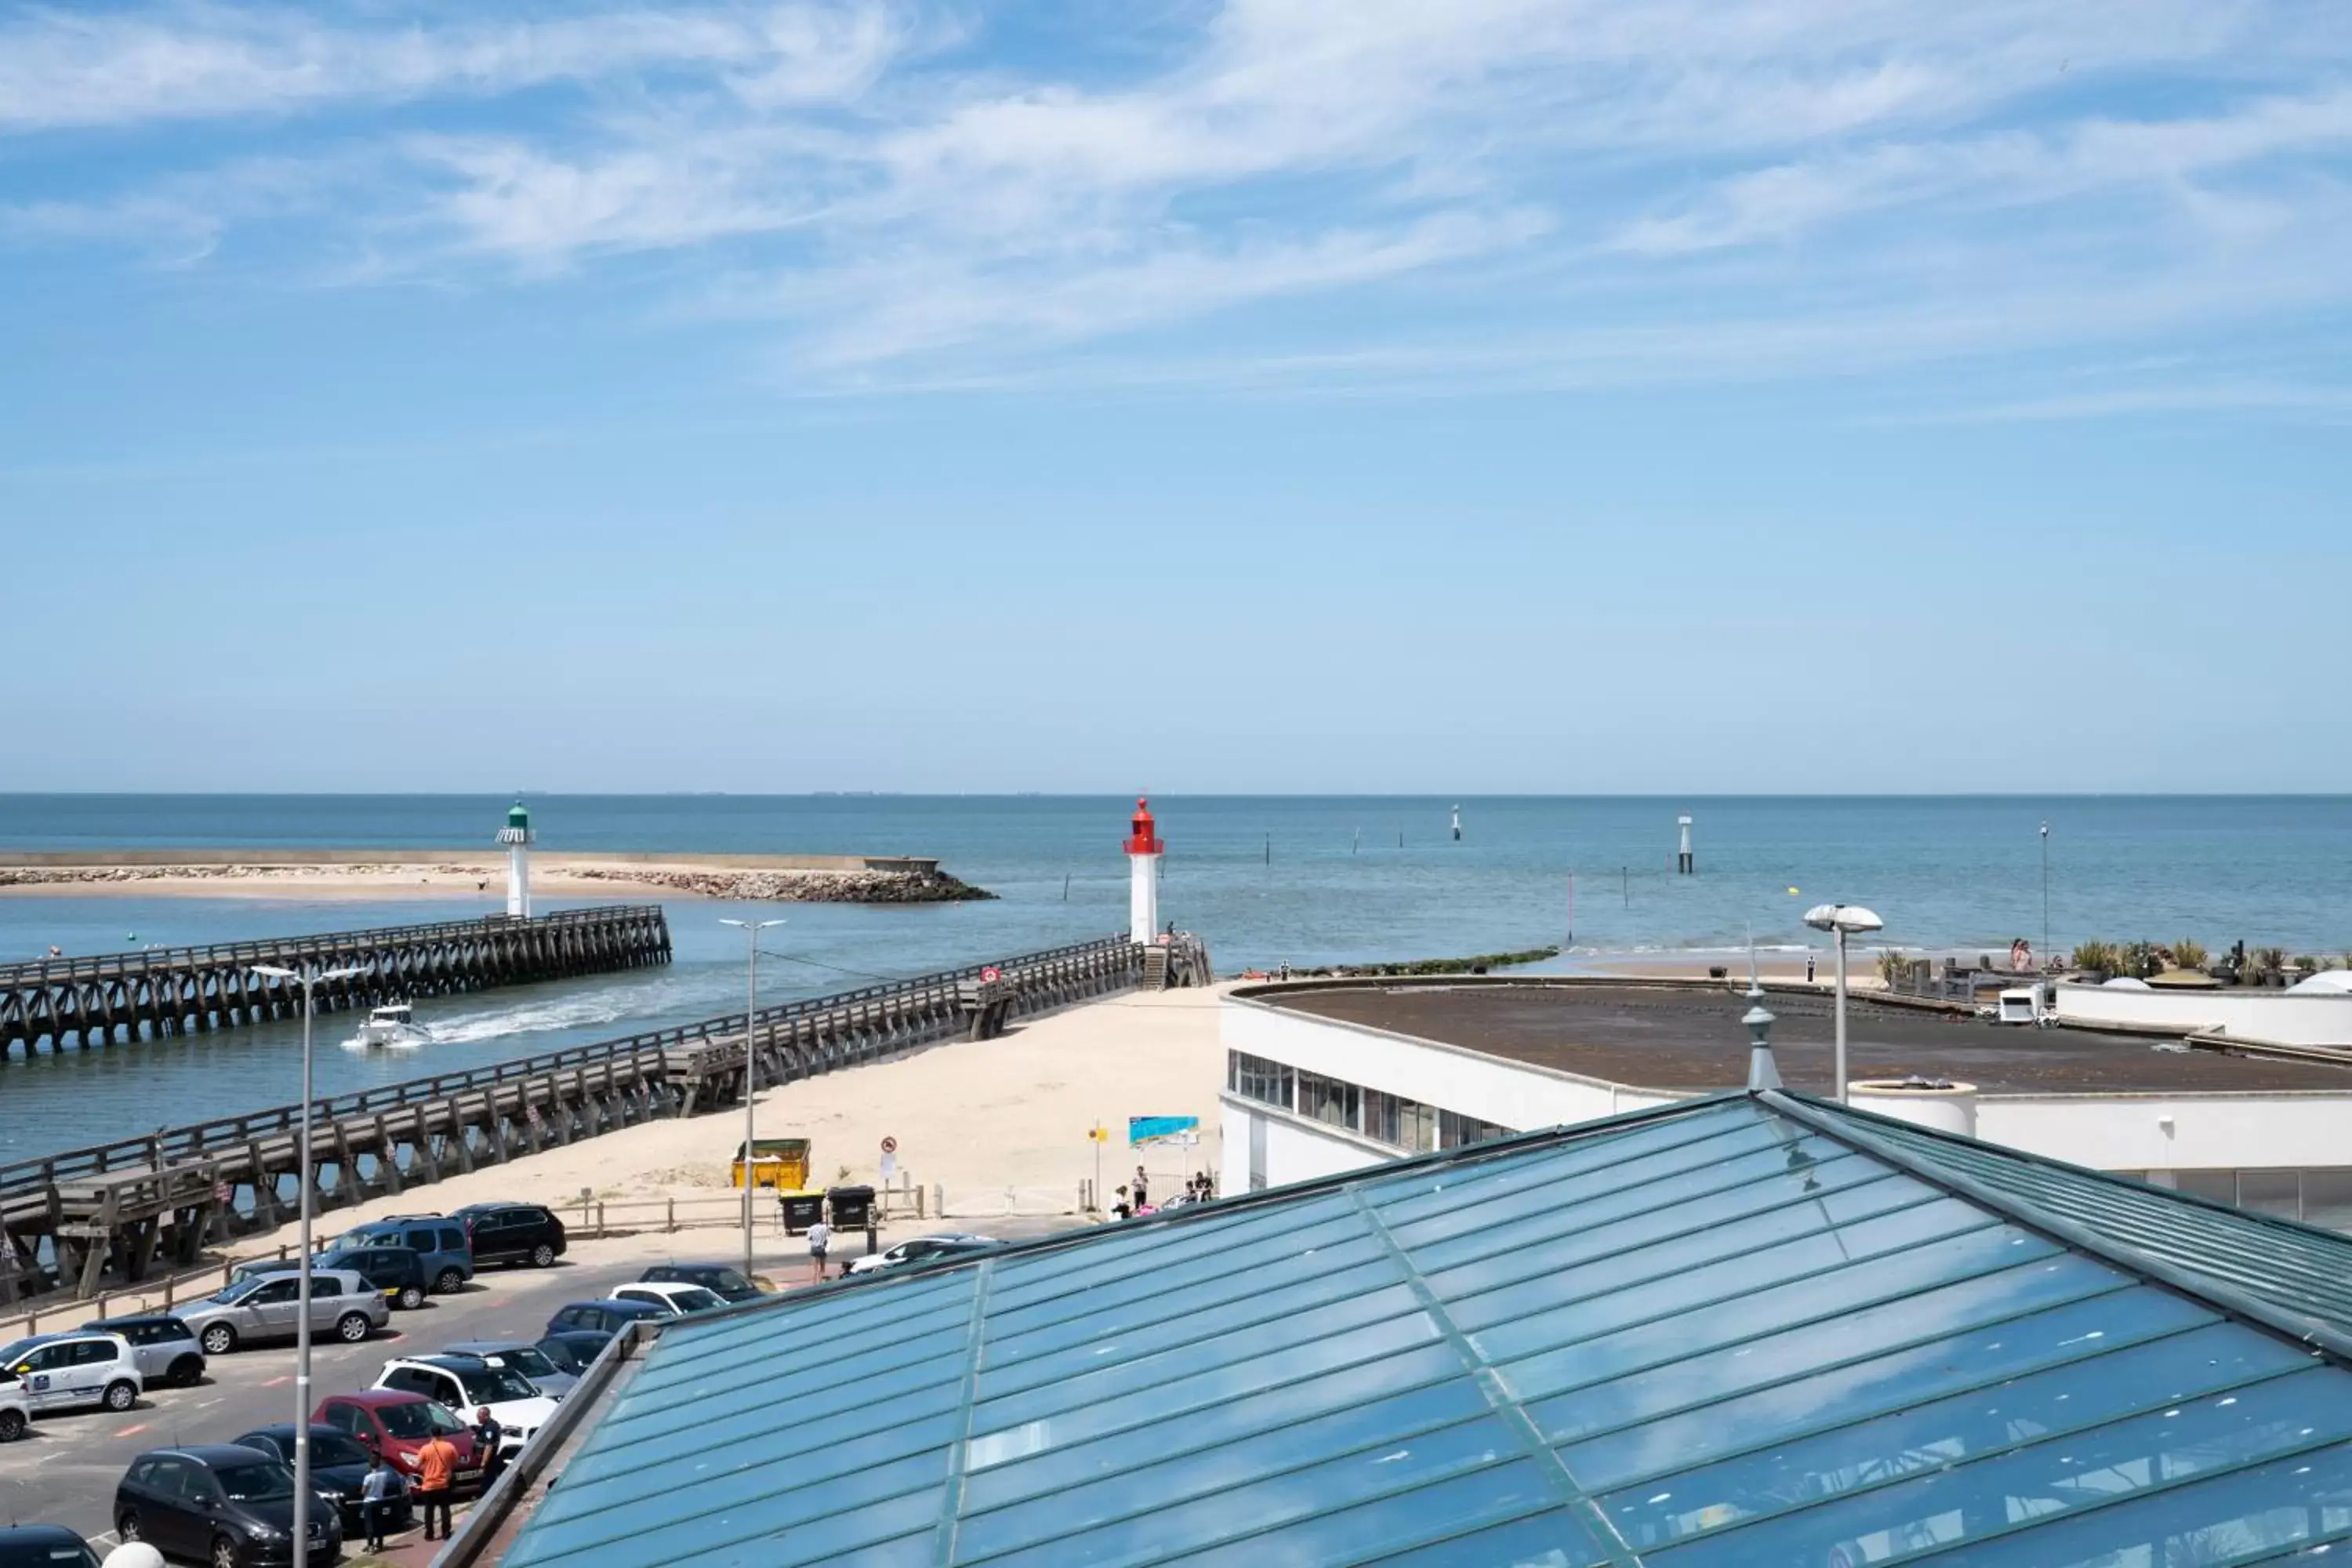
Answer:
(64, 1469)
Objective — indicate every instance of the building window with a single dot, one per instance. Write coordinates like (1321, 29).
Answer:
(1329, 1100)
(1255, 1077)
(1456, 1129)
(2327, 1199)
(1403, 1123)
(2275, 1193)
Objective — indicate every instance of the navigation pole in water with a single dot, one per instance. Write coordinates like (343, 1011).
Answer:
(1683, 857)
(517, 836)
(1457, 825)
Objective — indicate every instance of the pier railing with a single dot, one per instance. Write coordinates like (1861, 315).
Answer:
(198, 1140)
(278, 950)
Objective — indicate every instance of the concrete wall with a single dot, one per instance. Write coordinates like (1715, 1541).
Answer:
(2208, 1132)
(2292, 1018)
(1297, 1149)
(1510, 1094)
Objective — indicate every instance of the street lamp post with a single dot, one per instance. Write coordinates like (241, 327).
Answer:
(751, 930)
(1844, 920)
(2045, 892)
(307, 979)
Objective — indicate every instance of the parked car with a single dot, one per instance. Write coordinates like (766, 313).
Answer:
(394, 1271)
(607, 1316)
(720, 1280)
(16, 1406)
(512, 1233)
(164, 1347)
(341, 1303)
(464, 1383)
(63, 1371)
(573, 1350)
(221, 1503)
(396, 1425)
(44, 1546)
(338, 1463)
(923, 1248)
(438, 1239)
(673, 1295)
(521, 1356)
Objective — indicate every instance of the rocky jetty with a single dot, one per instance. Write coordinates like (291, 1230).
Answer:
(933, 886)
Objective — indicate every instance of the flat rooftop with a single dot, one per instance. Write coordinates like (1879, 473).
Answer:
(1688, 1038)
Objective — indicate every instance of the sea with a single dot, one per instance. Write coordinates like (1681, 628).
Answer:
(1298, 879)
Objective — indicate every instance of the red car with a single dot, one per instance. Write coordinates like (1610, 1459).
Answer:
(397, 1424)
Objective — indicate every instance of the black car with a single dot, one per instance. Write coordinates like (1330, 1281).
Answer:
(44, 1546)
(607, 1318)
(512, 1233)
(573, 1348)
(221, 1503)
(338, 1463)
(394, 1270)
(722, 1280)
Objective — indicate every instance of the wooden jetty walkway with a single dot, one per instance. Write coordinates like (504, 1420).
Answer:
(180, 990)
(98, 1217)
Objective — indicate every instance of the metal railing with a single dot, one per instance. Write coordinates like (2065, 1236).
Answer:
(278, 950)
(229, 1134)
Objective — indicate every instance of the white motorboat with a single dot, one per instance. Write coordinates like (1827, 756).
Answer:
(394, 1024)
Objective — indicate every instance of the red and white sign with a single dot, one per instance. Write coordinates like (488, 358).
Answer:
(889, 1145)
(990, 974)
(220, 1192)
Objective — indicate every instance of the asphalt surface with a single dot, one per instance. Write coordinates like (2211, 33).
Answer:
(1689, 1036)
(65, 1470)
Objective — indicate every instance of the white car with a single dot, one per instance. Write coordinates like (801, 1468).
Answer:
(59, 1372)
(923, 1248)
(16, 1406)
(464, 1383)
(675, 1297)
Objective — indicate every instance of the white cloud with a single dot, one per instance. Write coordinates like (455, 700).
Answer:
(1570, 189)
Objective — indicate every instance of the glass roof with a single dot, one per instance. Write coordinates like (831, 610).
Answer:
(1722, 1335)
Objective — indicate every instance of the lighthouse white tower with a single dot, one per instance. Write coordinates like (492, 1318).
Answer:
(517, 836)
(1143, 851)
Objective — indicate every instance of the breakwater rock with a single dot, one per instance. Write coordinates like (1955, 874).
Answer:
(925, 887)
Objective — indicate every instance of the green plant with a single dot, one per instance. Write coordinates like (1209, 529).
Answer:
(2306, 965)
(2268, 958)
(2189, 954)
(2096, 953)
(1891, 965)
(2138, 960)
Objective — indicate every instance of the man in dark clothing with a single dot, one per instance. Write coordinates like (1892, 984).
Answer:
(487, 1435)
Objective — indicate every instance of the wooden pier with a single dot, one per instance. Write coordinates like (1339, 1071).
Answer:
(96, 1218)
(182, 990)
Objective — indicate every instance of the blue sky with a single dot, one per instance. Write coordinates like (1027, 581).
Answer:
(1273, 396)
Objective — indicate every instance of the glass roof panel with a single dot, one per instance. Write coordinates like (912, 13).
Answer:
(1093, 1493)
(1443, 1187)
(1717, 1369)
(2255, 1515)
(1764, 1390)
(1272, 1499)
(1437, 1514)
(1654, 1203)
(1942, 1433)
(1952, 1501)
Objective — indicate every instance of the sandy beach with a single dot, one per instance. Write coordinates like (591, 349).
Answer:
(360, 875)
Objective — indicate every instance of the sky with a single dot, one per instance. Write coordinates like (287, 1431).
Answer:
(1739, 395)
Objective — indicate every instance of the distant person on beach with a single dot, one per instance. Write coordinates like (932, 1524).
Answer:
(820, 1237)
(1142, 1189)
(1122, 1209)
(1809, 969)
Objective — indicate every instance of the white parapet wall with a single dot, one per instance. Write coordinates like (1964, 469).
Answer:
(2285, 1018)
(2169, 1133)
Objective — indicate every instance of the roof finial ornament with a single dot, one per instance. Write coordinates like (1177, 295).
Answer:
(1763, 1072)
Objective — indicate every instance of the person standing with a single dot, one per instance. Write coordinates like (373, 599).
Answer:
(488, 1440)
(1142, 1190)
(820, 1237)
(437, 1463)
(376, 1496)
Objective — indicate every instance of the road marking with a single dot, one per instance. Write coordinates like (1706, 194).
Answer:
(277, 1383)
(102, 1540)
(132, 1431)
(205, 1404)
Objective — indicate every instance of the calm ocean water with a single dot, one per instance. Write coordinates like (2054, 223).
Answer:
(1303, 879)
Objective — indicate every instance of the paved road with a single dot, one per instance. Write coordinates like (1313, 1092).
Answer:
(65, 1470)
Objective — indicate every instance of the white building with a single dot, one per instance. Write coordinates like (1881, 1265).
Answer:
(1327, 1075)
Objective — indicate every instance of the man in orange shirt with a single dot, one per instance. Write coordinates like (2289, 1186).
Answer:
(436, 1462)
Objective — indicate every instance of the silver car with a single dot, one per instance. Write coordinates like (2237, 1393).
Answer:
(251, 1311)
(522, 1356)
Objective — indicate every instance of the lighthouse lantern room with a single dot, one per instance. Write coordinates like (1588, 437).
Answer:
(1144, 850)
(517, 836)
